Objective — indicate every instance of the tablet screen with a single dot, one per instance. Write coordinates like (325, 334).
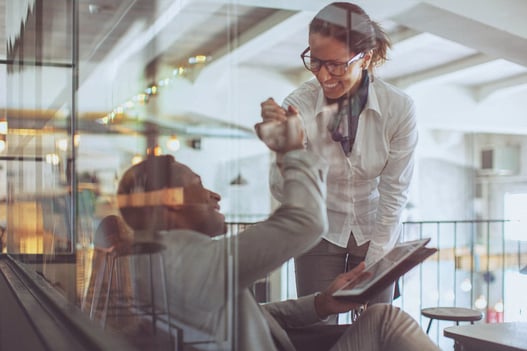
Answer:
(383, 266)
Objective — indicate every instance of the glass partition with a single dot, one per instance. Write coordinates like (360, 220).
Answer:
(93, 88)
(90, 88)
(39, 117)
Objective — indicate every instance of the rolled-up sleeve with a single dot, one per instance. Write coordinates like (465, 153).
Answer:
(296, 313)
(297, 225)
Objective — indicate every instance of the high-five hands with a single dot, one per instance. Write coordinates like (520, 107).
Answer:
(326, 304)
(271, 111)
(280, 130)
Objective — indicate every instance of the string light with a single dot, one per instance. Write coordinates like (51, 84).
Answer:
(173, 143)
(481, 302)
(62, 144)
(466, 285)
(3, 134)
(152, 90)
(499, 306)
(180, 71)
(3, 126)
(156, 151)
(198, 59)
(52, 159)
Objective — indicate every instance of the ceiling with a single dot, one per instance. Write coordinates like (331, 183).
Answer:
(477, 45)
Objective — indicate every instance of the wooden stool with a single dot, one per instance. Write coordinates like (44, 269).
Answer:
(455, 314)
(111, 269)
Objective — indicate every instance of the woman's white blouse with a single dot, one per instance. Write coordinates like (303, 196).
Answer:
(368, 190)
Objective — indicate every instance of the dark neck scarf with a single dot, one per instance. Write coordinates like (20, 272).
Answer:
(343, 126)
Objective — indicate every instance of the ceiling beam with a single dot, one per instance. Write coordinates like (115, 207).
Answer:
(291, 5)
(259, 38)
(377, 9)
(458, 27)
(403, 34)
(147, 35)
(481, 92)
(491, 41)
(441, 71)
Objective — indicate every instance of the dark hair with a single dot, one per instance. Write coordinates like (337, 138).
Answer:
(350, 24)
(154, 173)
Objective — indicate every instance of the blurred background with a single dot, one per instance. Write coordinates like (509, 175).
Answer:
(89, 87)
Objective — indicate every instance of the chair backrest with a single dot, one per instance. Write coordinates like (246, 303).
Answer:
(112, 231)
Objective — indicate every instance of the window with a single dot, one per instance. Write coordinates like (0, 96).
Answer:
(515, 210)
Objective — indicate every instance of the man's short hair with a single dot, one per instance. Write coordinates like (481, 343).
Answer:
(154, 173)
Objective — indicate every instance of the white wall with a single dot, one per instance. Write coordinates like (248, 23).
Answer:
(449, 118)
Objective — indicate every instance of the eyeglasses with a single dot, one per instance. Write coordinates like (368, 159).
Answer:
(335, 68)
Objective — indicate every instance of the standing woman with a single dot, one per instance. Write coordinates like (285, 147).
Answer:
(366, 131)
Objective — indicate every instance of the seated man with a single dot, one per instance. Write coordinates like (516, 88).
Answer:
(164, 200)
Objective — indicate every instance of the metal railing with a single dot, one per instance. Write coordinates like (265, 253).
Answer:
(477, 265)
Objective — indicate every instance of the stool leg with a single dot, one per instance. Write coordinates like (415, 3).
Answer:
(178, 343)
(108, 290)
(119, 292)
(429, 325)
(119, 297)
(152, 293)
(97, 287)
(165, 294)
(458, 346)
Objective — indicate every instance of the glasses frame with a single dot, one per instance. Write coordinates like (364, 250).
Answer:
(325, 63)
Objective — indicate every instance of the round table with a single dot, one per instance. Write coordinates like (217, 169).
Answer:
(455, 314)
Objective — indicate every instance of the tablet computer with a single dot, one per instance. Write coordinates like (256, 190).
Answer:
(396, 262)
